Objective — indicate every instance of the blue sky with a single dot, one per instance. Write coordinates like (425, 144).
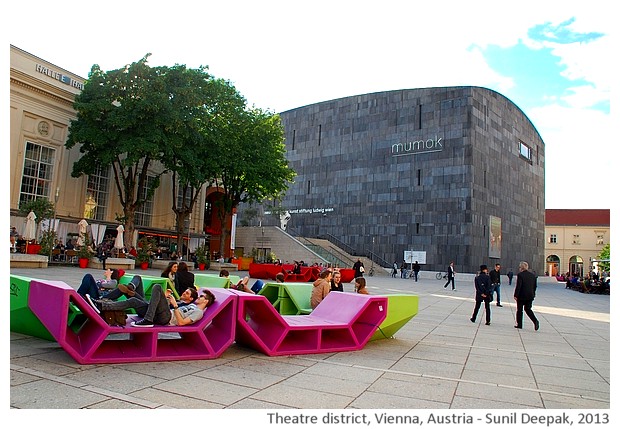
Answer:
(552, 59)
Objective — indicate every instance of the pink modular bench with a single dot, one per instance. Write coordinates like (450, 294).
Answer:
(94, 341)
(341, 322)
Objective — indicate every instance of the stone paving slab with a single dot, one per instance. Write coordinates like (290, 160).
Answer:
(439, 360)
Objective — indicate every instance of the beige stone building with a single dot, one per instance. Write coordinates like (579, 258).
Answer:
(574, 238)
(41, 108)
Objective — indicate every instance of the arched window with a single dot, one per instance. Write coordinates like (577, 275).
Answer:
(576, 265)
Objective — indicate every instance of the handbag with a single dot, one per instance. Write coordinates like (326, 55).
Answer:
(114, 317)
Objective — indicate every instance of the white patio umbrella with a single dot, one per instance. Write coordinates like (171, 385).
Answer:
(30, 231)
(82, 231)
(31, 226)
(119, 243)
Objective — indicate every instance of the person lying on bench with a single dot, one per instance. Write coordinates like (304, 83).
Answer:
(242, 285)
(91, 291)
(158, 311)
(98, 288)
(135, 298)
(133, 292)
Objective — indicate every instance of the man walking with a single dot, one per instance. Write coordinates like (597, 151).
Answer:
(525, 291)
(450, 276)
(495, 283)
(483, 294)
(416, 270)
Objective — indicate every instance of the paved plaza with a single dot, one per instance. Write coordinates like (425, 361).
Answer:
(439, 360)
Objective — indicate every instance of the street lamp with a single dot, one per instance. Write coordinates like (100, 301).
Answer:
(372, 259)
(54, 224)
(55, 204)
(189, 221)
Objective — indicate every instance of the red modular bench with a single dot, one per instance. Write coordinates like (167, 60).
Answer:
(94, 341)
(341, 322)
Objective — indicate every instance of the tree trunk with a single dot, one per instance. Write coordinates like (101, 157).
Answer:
(223, 242)
(180, 227)
(130, 227)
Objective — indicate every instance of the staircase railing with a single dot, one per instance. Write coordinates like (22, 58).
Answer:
(377, 259)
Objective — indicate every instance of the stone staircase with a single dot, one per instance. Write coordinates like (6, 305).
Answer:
(289, 248)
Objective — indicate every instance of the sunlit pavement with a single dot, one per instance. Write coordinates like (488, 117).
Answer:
(439, 360)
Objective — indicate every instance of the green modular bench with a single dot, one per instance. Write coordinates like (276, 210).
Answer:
(289, 298)
(300, 294)
(148, 282)
(401, 308)
(214, 280)
(23, 320)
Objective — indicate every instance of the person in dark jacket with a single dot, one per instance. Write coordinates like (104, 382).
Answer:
(525, 291)
(336, 283)
(358, 266)
(450, 275)
(184, 278)
(416, 270)
(496, 276)
(482, 282)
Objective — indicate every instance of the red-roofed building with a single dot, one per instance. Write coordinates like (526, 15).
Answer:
(573, 238)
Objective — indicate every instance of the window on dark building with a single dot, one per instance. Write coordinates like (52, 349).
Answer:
(525, 151)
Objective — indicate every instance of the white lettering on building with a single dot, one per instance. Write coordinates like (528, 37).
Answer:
(417, 146)
(67, 80)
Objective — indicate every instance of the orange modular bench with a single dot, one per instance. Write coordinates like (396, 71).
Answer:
(341, 322)
(94, 341)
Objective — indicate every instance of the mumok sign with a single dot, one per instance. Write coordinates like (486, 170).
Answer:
(417, 146)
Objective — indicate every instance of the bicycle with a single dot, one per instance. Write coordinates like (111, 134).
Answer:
(440, 275)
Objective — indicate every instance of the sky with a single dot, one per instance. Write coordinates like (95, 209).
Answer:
(551, 58)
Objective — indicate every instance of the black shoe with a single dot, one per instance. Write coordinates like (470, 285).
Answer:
(536, 326)
(142, 323)
(92, 303)
(518, 327)
(473, 320)
(488, 323)
(445, 287)
(499, 305)
(128, 289)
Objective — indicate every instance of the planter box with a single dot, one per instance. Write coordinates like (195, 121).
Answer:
(33, 249)
(243, 263)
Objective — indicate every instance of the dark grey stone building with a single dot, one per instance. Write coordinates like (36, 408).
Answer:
(451, 174)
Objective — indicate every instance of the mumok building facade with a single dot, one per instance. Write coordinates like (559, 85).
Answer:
(432, 174)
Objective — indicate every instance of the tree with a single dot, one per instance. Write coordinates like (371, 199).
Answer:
(604, 256)
(125, 118)
(252, 165)
(210, 103)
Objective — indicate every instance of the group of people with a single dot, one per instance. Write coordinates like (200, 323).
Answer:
(486, 284)
(404, 271)
(161, 309)
(331, 281)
